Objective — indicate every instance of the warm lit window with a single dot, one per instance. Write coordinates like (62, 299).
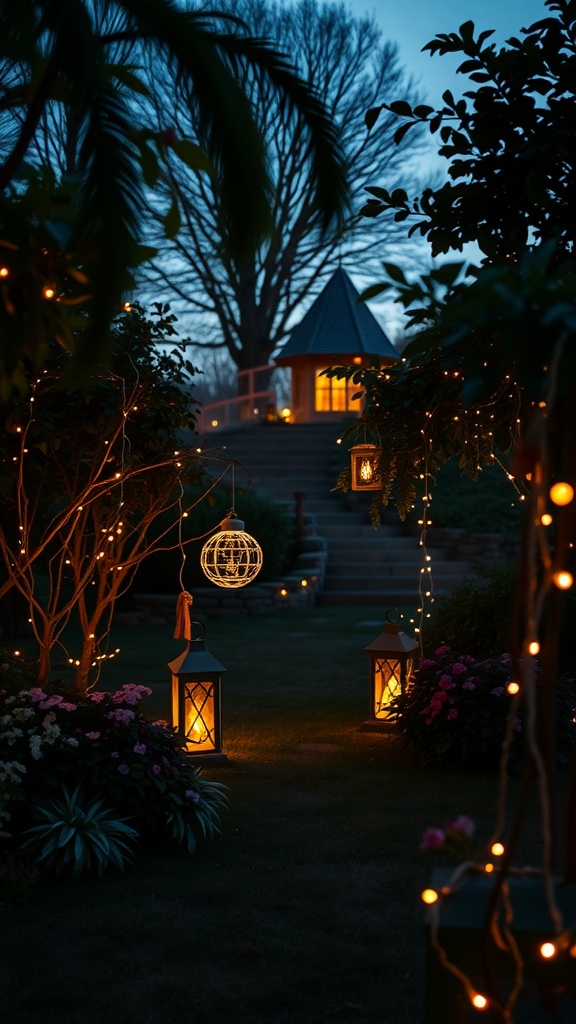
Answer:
(333, 395)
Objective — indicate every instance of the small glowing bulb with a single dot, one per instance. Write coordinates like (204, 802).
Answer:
(283, 592)
(497, 849)
(304, 583)
(479, 1002)
(561, 493)
(513, 687)
(4, 272)
(547, 950)
(214, 423)
(489, 868)
(48, 292)
(429, 896)
(546, 519)
(563, 580)
(534, 647)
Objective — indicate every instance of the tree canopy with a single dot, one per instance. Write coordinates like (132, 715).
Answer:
(247, 306)
(71, 229)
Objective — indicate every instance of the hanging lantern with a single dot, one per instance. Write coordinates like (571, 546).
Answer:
(364, 467)
(197, 699)
(231, 558)
(391, 656)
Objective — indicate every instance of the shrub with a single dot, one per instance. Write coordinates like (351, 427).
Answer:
(129, 766)
(475, 617)
(457, 707)
(265, 521)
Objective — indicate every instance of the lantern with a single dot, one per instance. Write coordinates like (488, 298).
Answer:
(197, 700)
(364, 467)
(231, 558)
(391, 655)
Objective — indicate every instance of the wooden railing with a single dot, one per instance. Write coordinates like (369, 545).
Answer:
(248, 407)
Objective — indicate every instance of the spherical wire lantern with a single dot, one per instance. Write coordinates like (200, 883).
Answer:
(231, 558)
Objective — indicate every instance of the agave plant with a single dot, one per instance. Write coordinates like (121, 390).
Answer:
(207, 798)
(77, 835)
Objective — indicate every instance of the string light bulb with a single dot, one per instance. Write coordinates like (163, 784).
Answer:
(561, 493)
(563, 580)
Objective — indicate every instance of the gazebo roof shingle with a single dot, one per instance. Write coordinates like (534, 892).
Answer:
(338, 325)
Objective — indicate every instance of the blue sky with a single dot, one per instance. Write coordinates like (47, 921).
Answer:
(412, 23)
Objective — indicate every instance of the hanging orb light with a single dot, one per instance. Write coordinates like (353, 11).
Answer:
(231, 558)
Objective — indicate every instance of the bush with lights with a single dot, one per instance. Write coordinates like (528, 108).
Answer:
(458, 708)
(86, 778)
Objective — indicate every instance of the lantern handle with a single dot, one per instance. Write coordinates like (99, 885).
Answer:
(394, 620)
(202, 628)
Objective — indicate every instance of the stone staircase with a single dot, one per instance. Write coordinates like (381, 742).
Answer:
(361, 565)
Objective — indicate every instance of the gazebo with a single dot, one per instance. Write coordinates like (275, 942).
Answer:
(336, 330)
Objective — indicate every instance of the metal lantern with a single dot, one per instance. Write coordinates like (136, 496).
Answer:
(391, 656)
(231, 558)
(364, 467)
(197, 699)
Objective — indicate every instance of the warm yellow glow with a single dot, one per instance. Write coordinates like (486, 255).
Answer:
(489, 868)
(357, 360)
(48, 292)
(479, 1002)
(548, 950)
(4, 271)
(561, 493)
(231, 558)
(497, 849)
(127, 307)
(283, 592)
(513, 687)
(286, 413)
(563, 580)
(303, 583)
(366, 470)
(534, 647)
(429, 896)
(546, 519)
(214, 423)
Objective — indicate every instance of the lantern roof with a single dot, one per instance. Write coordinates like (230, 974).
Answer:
(392, 641)
(195, 659)
(337, 324)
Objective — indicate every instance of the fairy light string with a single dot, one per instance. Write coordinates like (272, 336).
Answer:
(539, 578)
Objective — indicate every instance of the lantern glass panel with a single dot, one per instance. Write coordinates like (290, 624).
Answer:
(389, 683)
(199, 716)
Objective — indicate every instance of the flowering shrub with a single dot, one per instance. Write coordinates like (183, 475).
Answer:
(51, 739)
(456, 709)
(452, 841)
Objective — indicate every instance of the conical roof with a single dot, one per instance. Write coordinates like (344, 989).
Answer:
(337, 324)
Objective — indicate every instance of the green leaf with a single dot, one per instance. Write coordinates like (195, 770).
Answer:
(172, 221)
(192, 155)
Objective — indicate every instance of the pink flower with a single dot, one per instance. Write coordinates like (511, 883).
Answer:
(156, 768)
(36, 694)
(66, 706)
(432, 839)
(140, 748)
(426, 663)
(452, 713)
(458, 668)
(446, 683)
(462, 825)
(92, 735)
(193, 796)
(96, 697)
(122, 715)
(123, 769)
(468, 685)
(52, 701)
(441, 650)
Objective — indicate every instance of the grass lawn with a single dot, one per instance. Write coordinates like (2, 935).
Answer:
(306, 908)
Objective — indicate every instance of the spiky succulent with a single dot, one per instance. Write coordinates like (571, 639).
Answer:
(76, 835)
